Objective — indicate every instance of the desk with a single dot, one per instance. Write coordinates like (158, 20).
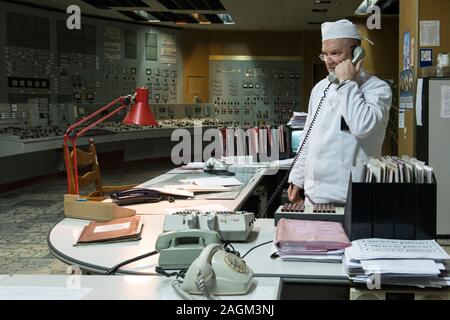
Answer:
(82, 287)
(297, 280)
(250, 177)
(100, 258)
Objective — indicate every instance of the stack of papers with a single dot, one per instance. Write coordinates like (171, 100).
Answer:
(391, 169)
(397, 262)
(302, 240)
(298, 120)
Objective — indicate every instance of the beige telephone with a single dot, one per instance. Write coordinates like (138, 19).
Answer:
(216, 271)
(358, 54)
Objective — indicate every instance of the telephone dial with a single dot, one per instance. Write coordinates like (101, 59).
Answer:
(358, 54)
(218, 272)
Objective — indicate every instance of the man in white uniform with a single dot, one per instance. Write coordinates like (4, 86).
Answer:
(350, 126)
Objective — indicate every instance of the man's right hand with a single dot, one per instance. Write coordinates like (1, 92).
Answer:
(294, 194)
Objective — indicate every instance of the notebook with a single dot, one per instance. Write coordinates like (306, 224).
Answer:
(116, 230)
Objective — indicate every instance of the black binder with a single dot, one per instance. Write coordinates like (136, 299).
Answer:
(391, 210)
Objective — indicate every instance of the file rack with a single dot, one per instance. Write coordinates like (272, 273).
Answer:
(391, 210)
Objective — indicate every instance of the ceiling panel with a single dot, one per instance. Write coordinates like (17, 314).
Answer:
(252, 15)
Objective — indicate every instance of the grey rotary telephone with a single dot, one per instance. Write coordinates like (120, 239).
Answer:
(216, 271)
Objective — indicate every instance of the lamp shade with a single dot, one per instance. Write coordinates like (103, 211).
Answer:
(140, 113)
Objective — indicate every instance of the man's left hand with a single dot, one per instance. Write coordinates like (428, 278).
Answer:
(346, 70)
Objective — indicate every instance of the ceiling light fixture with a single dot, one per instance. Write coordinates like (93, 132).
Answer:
(226, 18)
(146, 16)
(366, 4)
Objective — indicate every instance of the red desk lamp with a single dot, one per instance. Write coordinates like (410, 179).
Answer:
(139, 114)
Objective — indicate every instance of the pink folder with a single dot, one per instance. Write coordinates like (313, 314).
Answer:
(304, 236)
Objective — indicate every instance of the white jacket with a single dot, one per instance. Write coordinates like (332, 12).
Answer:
(329, 155)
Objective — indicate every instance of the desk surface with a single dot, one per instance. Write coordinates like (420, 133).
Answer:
(99, 258)
(249, 176)
(82, 287)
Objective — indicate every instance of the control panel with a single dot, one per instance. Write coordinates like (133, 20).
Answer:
(43, 59)
(255, 91)
(24, 121)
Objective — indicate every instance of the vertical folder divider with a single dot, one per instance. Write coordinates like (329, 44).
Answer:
(426, 210)
(405, 211)
(358, 211)
(384, 203)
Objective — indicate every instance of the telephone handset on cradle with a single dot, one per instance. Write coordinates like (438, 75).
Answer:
(178, 249)
(137, 195)
(358, 54)
(218, 272)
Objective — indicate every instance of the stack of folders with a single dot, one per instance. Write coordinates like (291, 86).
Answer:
(303, 240)
(391, 169)
(419, 263)
(298, 120)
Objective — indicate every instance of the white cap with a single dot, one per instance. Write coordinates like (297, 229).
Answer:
(341, 29)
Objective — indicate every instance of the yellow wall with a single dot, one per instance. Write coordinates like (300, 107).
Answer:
(195, 50)
(409, 10)
(381, 58)
(437, 10)
(411, 13)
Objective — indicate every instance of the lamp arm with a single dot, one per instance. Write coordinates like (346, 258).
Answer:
(72, 135)
(94, 124)
(125, 100)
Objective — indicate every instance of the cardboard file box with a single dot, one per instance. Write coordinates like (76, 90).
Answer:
(391, 210)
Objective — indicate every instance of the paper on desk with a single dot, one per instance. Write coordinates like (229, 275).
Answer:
(193, 166)
(416, 267)
(196, 188)
(42, 293)
(313, 258)
(375, 248)
(202, 208)
(412, 282)
(214, 181)
(184, 171)
(229, 195)
(175, 192)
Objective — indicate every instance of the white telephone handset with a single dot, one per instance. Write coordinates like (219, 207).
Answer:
(358, 54)
(216, 271)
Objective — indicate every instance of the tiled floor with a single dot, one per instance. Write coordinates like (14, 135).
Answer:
(27, 215)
